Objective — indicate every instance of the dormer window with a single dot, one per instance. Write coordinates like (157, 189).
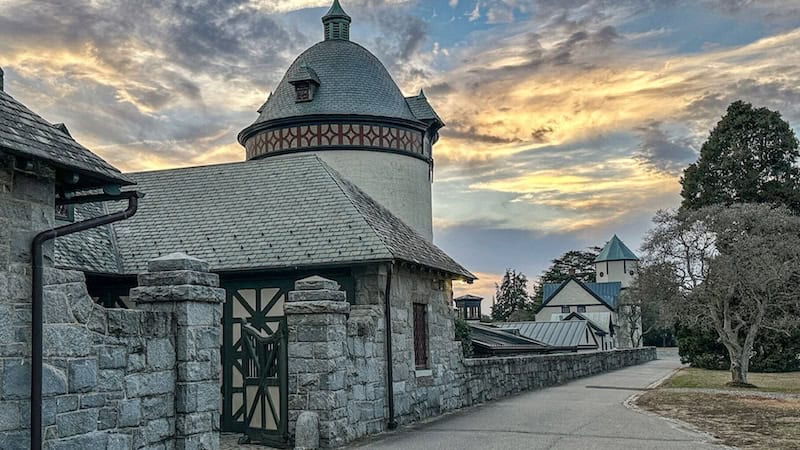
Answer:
(305, 82)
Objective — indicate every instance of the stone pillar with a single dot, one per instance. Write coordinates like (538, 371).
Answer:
(316, 314)
(182, 285)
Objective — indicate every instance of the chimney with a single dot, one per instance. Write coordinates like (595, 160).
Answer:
(1, 78)
(572, 272)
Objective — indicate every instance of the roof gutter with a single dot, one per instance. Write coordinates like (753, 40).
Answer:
(37, 289)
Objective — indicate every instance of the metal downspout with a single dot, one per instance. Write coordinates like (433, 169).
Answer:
(387, 310)
(37, 290)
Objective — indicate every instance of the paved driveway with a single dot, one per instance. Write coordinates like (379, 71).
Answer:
(585, 414)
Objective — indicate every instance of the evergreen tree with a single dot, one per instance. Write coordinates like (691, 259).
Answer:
(749, 157)
(512, 296)
(581, 261)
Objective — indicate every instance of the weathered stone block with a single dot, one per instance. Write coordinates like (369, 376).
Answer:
(157, 430)
(112, 357)
(106, 418)
(192, 423)
(316, 296)
(178, 277)
(170, 294)
(160, 354)
(129, 413)
(177, 261)
(141, 384)
(307, 431)
(67, 340)
(119, 442)
(76, 422)
(124, 322)
(16, 376)
(93, 401)
(82, 375)
(198, 396)
(9, 416)
(315, 283)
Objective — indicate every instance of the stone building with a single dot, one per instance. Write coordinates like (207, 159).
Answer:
(336, 183)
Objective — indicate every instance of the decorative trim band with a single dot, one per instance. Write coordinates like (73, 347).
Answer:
(350, 135)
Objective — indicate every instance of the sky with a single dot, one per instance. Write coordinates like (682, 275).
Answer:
(567, 120)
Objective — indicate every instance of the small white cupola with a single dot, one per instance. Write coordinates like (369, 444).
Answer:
(336, 23)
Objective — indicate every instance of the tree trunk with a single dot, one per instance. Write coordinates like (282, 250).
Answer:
(740, 366)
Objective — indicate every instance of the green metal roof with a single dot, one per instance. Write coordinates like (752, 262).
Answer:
(336, 11)
(615, 250)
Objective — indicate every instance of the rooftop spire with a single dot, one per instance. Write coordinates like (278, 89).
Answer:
(336, 23)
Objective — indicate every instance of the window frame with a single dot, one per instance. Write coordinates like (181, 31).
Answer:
(421, 336)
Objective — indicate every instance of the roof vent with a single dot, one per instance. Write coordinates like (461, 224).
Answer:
(336, 23)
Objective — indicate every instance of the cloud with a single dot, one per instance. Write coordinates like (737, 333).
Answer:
(662, 152)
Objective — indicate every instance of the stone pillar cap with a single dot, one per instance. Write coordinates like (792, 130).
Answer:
(177, 261)
(315, 283)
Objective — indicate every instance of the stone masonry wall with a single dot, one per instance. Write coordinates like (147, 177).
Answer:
(112, 378)
(344, 381)
(486, 379)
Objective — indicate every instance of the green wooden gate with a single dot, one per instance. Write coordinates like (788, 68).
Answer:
(254, 369)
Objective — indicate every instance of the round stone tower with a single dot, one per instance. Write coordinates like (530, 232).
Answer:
(339, 102)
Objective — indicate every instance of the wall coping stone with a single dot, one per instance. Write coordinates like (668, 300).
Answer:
(315, 283)
(317, 307)
(178, 277)
(556, 356)
(179, 293)
(317, 295)
(177, 261)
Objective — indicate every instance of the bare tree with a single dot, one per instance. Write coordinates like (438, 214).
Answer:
(737, 270)
(648, 304)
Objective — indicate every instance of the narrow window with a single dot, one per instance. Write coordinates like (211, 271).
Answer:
(301, 90)
(565, 309)
(581, 309)
(420, 336)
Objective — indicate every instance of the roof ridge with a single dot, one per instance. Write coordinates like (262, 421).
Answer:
(339, 179)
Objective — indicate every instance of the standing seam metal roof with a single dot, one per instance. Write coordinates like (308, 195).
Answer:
(556, 334)
(615, 250)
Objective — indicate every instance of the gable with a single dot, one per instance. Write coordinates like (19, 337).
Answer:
(573, 294)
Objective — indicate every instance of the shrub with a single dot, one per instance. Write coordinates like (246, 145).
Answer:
(773, 351)
(463, 334)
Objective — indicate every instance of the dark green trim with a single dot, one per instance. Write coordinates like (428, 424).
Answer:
(324, 119)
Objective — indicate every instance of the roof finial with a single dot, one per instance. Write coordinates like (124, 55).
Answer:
(337, 23)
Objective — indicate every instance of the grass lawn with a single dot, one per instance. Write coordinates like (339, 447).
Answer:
(743, 422)
(715, 379)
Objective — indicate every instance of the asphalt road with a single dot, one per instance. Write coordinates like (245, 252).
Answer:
(585, 414)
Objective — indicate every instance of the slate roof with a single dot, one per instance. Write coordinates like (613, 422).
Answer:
(93, 250)
(615, 250)
(468, 297)
(276, 213)
(605, 293)
(422, 109)
(352, 81)
(556, 334)
(27, 134)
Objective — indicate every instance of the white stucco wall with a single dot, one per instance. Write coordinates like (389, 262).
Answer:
(616, 271)
(400, 183)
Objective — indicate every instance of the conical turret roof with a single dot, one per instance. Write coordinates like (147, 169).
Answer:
(616, 250)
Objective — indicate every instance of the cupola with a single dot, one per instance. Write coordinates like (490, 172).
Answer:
(336, 23)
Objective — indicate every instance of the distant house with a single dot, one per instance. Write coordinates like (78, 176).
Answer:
(615, 269)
